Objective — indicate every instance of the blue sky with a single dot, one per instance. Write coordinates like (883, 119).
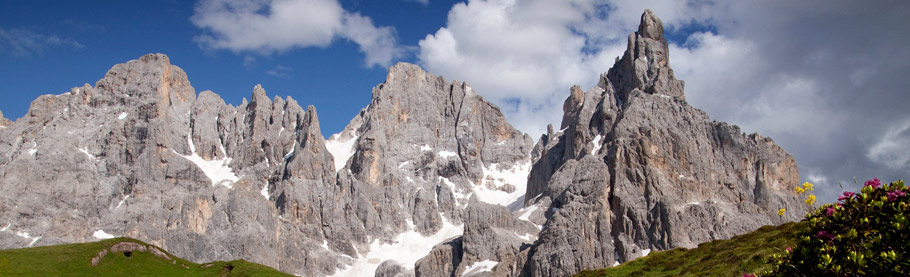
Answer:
(825, 79)
(95, 35)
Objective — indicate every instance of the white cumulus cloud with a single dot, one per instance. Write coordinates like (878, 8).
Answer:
(826, 80)
(893, 149)
(269, 26)
(523, 55)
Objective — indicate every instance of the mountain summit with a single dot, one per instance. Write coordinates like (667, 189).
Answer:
(636, 169)
(429, 179)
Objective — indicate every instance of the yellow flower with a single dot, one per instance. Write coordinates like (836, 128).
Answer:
(781, 212)
(810, 199)
(808, 186)
(800, 190)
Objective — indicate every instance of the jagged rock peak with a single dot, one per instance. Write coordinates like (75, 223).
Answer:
(635, 168)
(405, 72)
(650, 26)
(3, 120)
(645, 65)
(151, 74)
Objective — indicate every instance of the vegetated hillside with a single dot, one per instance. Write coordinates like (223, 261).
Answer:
(733, 257)
(118, 257)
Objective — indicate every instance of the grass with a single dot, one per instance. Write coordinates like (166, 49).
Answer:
(75, 260)
(741, 254)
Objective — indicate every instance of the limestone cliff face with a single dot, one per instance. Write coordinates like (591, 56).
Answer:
(637, 169)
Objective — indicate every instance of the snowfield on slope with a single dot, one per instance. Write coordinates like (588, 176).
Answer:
(341, 150)
(217, 170)
(495, 177)
(409, 247)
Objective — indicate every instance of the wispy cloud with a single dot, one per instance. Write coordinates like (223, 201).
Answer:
(270, 26)
(280, 71)
(423, 2)
(22, 42)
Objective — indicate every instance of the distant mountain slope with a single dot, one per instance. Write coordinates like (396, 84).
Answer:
(116, 257)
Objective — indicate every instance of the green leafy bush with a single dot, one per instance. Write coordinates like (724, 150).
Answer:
(864, 233)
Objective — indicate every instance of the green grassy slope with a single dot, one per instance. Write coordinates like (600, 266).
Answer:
(75, 260)
(741, 254)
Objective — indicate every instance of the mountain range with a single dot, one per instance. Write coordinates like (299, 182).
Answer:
(429, 179)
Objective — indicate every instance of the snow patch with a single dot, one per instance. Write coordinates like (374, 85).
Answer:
(122, 201)
(447, 154)
(644, 253)
(425, 147)
(458, 195)
(5, 227)
(525, 214)
(408, 247)
(527, 211)
(34, 149)
(615, 263)
(101, 234)
(341, 150)
(290, 152)
(217, 170)
(27, 236)
(526, 237)
(123, 115)
(265, 191)
(403, 164)
(495, 178)
(478, 267)
(597, 144)
(325, 245)
(693, 203)
(84, 150)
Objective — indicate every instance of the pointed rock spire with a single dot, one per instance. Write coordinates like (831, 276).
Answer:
(650, 26)
(3, 120)
(645, 66)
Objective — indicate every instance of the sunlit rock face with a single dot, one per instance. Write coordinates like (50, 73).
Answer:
(140, 154)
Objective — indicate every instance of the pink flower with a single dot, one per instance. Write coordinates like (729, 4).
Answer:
(824, 235)
(847, 195)
(748, 275)
(829, 211)
(893, 195)
(875, 183)
(789, 249)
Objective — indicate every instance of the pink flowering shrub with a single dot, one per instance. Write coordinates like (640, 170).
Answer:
(864, 233)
